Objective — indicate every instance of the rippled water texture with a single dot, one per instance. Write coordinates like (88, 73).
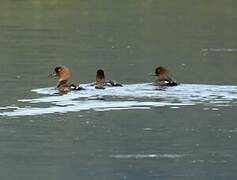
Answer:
(137, 96)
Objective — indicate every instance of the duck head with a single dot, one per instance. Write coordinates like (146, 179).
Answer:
(100, 76)
(162, 73)
(62, 72)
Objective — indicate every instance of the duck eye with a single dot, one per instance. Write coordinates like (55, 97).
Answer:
(57, 69)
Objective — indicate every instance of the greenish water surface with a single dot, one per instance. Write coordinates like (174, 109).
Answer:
(128, 39)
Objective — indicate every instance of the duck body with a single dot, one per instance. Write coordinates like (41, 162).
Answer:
(63, 86)
(165, 83)
(113, 83)
(101, 83)
(63, 74)
(76, 87)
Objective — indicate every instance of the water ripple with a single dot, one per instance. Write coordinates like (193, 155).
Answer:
(133, 96)
(141, 156)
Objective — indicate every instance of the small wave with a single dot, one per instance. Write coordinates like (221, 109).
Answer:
(142, 156)
(228, 130)
(8, 107)
(74, 106)
(219, 50)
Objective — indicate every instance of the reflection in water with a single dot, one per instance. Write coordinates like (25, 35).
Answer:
(144, 96)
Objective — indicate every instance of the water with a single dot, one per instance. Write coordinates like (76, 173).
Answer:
(135, 96)
(132, 132)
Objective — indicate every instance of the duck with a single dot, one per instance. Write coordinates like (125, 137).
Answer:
(101, 83)
(63, 86)
(164, 78)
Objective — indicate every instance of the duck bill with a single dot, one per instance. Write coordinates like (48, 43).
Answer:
(53, 74)
(152, 74)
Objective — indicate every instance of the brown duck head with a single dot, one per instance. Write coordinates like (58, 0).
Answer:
(100, 76)
(62, 72)
(162, 73)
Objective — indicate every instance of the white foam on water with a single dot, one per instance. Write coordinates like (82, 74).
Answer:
(9, 107)
(130, 96)
(183, 92)
(75, 106)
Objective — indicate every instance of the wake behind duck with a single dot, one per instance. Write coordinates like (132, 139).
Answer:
(130, 96)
